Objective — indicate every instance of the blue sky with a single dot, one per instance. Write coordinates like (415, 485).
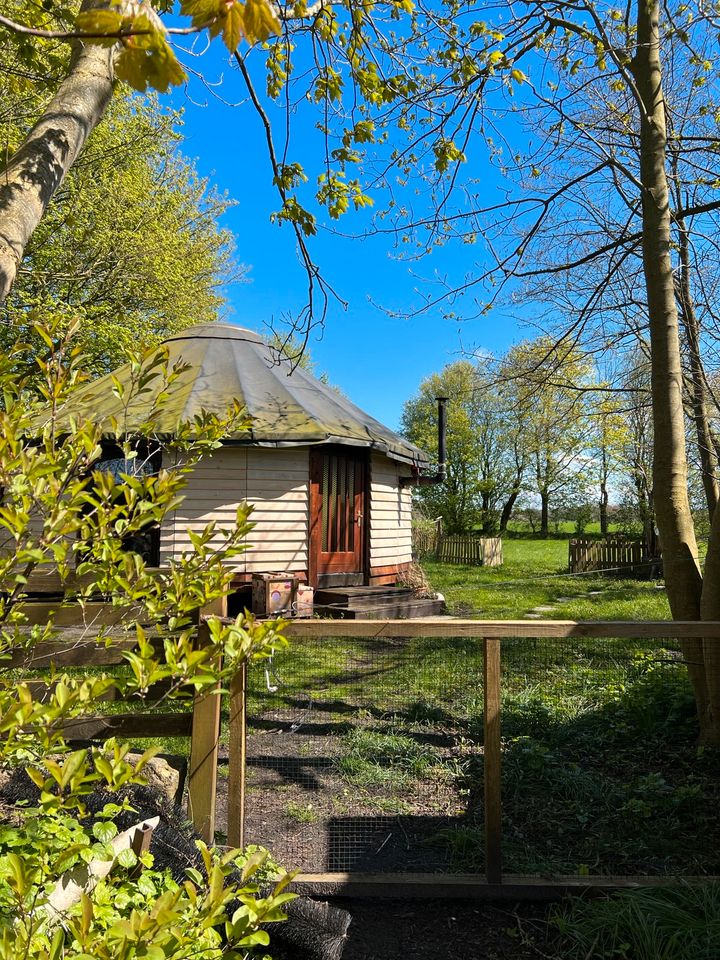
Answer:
(378, 360)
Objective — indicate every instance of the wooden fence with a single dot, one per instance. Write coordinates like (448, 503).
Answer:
(458, 548)
(490, 633)
(202, 724)
(612, 555)
(75, 644)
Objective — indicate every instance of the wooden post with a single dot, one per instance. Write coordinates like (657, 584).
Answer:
(202, 775)
(492, 761)
(238, 759)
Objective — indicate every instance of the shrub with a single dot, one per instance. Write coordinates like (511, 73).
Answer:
(58, 510)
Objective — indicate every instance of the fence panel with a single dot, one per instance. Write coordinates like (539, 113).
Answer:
(354, 749)
(424, 542)
(615, 555)
(458, 548)
(378, 752)
(75, 644)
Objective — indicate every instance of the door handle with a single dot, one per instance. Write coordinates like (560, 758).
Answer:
(358, 519)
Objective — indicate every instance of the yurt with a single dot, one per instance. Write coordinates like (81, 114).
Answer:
(330, 486)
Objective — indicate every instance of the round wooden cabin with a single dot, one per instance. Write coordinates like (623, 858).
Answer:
(328, 483)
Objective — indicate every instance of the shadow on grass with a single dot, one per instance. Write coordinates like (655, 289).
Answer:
(621, 789)
(601, 772)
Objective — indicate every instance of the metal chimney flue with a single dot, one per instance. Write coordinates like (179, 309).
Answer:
(442, 432)
(439, 477)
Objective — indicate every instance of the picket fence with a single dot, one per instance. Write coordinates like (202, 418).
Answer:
(458, 548)
(611, 555)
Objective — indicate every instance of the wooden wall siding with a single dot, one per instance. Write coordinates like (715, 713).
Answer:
(274, 482)
(390, 514)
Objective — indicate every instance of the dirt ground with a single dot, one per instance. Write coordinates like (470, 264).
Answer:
(302, 809)
(442, 930)
(396, 929)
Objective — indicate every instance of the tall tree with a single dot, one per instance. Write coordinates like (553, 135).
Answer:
(484, 452)
(458, 499)
(610, 440)
(550, 388)
(131, 242)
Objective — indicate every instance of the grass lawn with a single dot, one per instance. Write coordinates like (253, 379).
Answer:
(565, 528)
(534, 574)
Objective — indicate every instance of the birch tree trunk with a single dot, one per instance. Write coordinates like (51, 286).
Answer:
(36, 170)
(672, 508)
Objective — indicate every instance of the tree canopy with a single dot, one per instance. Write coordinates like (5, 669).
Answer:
(131, 243)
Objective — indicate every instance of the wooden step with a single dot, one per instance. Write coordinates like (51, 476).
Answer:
(348, 595)
(405, 610)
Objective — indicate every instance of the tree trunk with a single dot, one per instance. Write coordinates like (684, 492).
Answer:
(507, 510)
(672, 507)
(544, 513)
(33, 174)
(603, 509)
(710, 609)
(485, 512)
(698, 400)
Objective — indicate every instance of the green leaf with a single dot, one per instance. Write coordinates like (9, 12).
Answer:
(127, 858)
(56, 947)
(99, 21)
(104, 831)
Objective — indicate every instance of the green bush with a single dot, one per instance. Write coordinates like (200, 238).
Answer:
(59, 511)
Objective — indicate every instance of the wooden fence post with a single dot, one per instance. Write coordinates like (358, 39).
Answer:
(492, 761)
(238, 758)
(202, 775)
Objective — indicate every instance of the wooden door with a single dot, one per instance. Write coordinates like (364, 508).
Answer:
(337, 517)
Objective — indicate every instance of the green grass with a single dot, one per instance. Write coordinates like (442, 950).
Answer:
(372, 758)
(301, 813)
(649, 924)
(565, 528)
(534, 574)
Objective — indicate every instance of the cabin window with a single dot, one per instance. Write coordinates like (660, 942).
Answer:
(148, 461)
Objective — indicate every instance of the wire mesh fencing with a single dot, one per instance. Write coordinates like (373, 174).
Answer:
(367, 755)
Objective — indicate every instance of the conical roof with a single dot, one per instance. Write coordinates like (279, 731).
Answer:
(227, 363)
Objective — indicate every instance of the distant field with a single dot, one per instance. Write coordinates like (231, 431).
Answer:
(564, 528)
(534, 574)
